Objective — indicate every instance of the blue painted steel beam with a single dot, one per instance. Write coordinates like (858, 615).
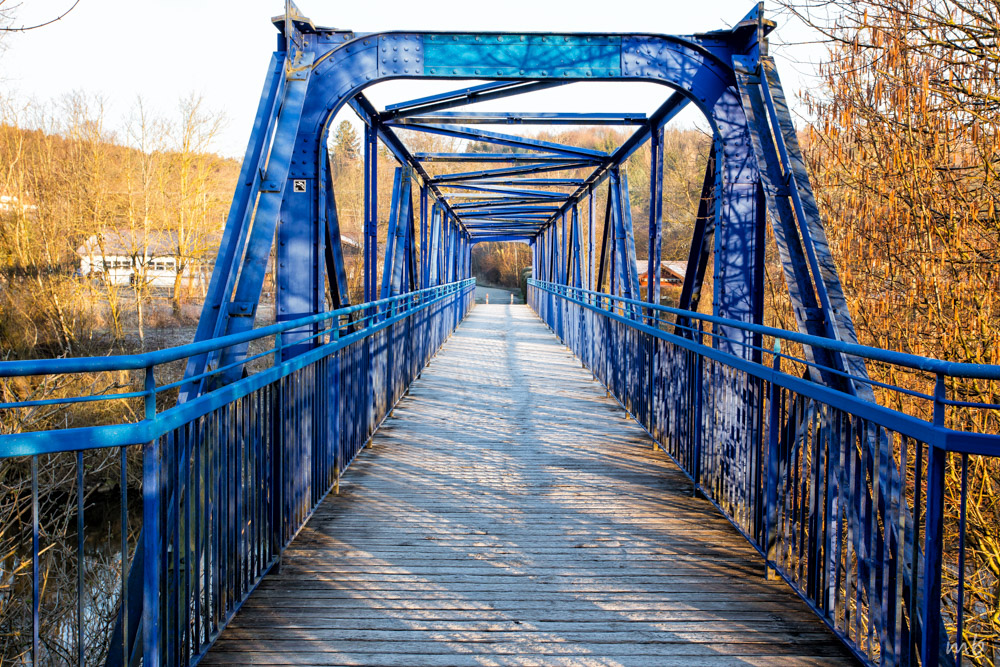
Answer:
(702, 241)
(488, 157)
(510, 171)
(624, 235)
(503, 238)
(510, 217)
(655, 216)
(371, 212)
(523, 212)
(526, 118)
(465, 96)
(479, 203)
(434, 247)
(499, 189)
(424, 220)
(396, 248)
(591, 203)
(265, 218)
(462, 94)
(513, 213)
(548, 182)
(330, 220)
(367, 113)
(236, 232)
(482, 223)
(514, 141)
(663, 115)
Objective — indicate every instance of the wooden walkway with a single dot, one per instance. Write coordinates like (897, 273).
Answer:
(508, 514)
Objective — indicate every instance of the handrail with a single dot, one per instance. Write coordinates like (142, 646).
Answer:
(158, 423)
(917, 362)
(844, 499)
(228, 477)
(143, 360)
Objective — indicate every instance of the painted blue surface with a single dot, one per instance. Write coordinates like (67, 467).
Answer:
(524, 56)
(741, 428)
(799, 454)
(289, 428)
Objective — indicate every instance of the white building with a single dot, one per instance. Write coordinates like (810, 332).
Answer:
(122, 257)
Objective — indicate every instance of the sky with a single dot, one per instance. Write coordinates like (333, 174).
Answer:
(164, 50)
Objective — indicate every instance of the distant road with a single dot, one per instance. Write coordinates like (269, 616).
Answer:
(497, 295)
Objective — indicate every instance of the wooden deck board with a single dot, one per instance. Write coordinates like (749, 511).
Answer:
(509, 514)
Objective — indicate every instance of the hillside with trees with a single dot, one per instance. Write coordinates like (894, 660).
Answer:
(67, 178)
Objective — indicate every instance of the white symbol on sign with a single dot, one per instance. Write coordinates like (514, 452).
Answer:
(299, 185)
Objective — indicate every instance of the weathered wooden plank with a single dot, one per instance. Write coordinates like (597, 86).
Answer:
(524, 660)
(508, 514)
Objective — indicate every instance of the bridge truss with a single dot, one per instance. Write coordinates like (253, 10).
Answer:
(334, 375)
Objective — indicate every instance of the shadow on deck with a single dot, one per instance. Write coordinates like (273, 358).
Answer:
(508, 513)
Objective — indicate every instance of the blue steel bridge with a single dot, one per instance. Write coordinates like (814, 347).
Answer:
(592, 478)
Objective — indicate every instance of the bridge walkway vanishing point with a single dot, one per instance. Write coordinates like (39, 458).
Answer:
(509, 514)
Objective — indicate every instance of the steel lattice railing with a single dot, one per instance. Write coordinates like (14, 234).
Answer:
(228, 478)
(862, 533)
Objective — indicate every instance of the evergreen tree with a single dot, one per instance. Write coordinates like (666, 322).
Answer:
(346, 145)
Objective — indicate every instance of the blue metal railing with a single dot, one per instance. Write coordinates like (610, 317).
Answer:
(228, 478)
(845, 499)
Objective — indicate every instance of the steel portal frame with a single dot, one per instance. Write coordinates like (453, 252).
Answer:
(529, 193)
(286, 194)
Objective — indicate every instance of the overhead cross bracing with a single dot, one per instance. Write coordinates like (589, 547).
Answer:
(566, 172)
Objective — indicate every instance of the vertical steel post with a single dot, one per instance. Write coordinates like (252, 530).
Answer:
(563, 259)
(655, 217)
(152, 459)
(423, 237)
(591, 202)
(371, 211)
(277, 462)
(773, 467)
(930, 644)
(698, 433)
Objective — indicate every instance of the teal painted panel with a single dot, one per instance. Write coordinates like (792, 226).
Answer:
(536, 56)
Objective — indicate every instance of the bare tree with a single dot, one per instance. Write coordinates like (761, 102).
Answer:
(193, 231)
